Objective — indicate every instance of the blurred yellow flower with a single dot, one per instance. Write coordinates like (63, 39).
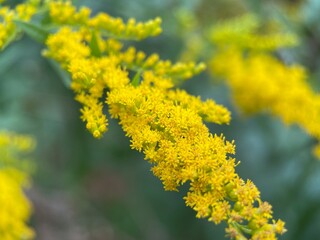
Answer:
(15, 208)
(259, 81)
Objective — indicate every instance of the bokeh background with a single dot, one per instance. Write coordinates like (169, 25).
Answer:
(84, 188)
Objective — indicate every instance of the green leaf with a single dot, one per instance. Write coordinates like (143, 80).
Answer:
(64, 75)
(34, 31)
(136, 80)
(95, 50)
(243, 228)
(8, 58)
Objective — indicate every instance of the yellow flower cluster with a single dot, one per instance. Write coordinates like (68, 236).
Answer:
(91, 75)
(260, 82)
(166, 125)
(64, 13)
(15, 208)
(134, 59)
(8, 28)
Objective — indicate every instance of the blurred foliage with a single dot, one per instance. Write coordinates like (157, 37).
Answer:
(99, 189)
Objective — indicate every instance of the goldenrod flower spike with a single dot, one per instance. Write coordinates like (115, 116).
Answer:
(165, 124)
(15, 208)
(181, 150)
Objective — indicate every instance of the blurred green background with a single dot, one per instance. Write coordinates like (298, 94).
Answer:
(85, 188)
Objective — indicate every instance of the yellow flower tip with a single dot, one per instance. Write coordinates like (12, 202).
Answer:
(97, 134)
(158, 20)
(89, 125)
(131, 22)
(200, 67)
(151, 60)
(265, 210)
(102, 128)
(279, 227)
(187, 74)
